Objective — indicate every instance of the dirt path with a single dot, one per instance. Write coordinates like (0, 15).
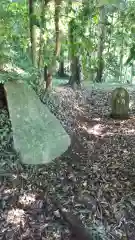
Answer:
(94, 179)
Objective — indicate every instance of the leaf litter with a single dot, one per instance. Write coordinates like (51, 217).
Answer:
(94, 180)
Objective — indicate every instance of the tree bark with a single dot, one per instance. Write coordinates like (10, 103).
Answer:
(48, 82)
(57, 28)
(52, 65)
(41, 64)
(45, 73)
(100, 67)
(41, 41)
(61, 72)
(121, 54)
(75, 72)
(74, 58)
(32, 33)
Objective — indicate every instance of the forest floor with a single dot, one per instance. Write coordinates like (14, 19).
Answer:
(94, 179)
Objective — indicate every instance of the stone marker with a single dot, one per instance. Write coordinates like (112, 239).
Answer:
(120, 103)
(38, 135)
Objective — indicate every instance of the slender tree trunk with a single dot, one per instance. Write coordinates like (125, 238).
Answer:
(32, 33)
(111, 31)
(61, 72)
(74, 58)
(75, 72)
(52, 65)
(57, 28)
(40, 60)
(101, 45)
(121, 57)
(132, 72)
(45, 73)
(45, 80)
(41, 41)
(31, 11)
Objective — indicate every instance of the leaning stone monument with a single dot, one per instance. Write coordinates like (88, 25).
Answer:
(38, 135)
(120, 103)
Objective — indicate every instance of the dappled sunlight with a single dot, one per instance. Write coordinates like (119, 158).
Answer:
(96, 130)
(19, 70)
(121, 130)
(8, 191)
(67, 141)
(97, 119)
(96, 165)
(10, 67)
(124, 133)
(129, 131)
(27, 199)
(15, 216)
(79, 109)
(131, 104)
(102, 130)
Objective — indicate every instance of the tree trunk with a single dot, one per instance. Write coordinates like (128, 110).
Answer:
(75, 72)
(41, 41)
(132, 72)
(74, 58)
(47, 80)
(45, 73)
(61, 72)
(121, 56)
(41, 65)
(48, 83)
(100, 67)
(52, 65)
(32, 33)
(57, 28)
(41, 44)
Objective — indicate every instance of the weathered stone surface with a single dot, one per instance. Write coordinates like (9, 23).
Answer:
(38, 135)
(120, 103)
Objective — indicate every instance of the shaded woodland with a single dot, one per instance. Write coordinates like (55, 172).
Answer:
(77, 60)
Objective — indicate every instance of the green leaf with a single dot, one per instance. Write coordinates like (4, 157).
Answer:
(96, 20)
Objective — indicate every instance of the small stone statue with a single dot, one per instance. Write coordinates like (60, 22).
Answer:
(120, 103)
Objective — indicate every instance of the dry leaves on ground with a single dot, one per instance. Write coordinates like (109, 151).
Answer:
(94, 179)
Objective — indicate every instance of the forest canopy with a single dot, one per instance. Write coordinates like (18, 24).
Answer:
(89, 40)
